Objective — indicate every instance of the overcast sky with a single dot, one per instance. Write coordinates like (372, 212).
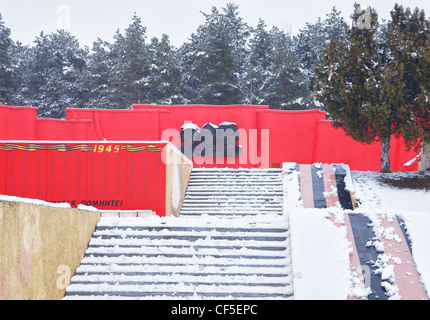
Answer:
(90, 19)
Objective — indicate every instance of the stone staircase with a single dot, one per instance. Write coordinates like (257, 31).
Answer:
(231, 242)
(242, 192)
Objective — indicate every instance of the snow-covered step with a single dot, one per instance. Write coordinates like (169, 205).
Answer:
(186, 279)
(237, 192)
(239, 257)
(249, 174)
(234, 192)
(236, 171)
(222, 199)
(231, 204)
(232, 183)
(231, 213)
(199, 270)
(181, 290)
(174, 264)
(220, 195)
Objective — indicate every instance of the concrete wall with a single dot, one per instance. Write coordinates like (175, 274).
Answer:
(40, 249)
(178, 171)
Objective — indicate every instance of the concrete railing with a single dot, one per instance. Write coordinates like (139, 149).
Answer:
(178, 172)
(40, 248)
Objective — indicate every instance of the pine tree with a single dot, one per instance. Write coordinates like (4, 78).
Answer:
(130, 64)
(213, 59)
(274, 69)
(6, 71)
(311, 41)
(98, 77)
(190, 87)
(408, 43)
(364, 83)
(20, 57)
(164, 79)
(258, 62)
(51, 79)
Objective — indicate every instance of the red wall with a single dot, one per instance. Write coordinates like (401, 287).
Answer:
(17, 122)
(292, 134)
(117, 177)
(295, 136)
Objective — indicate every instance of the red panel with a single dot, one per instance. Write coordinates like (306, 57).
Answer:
(121, 125)
(105, 175)
(65, 130)
(244, 116)
(335, 146)
(292, 134)
(17, 123)
(66, 176)
(26, 173)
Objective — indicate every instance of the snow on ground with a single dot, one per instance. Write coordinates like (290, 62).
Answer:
(413, 206)
(320, 255)
(320, 249)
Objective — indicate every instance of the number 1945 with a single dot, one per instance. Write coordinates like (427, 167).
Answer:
(100, 148)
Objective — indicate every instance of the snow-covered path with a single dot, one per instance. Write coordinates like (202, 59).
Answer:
(379, 200)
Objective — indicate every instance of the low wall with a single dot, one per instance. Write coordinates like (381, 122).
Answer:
(40, 249)
(178, 172)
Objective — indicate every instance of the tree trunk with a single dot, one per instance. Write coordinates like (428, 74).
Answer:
(385, 154)
(136, 94)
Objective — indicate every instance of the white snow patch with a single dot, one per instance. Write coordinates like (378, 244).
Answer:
(34, 202)
(191, 126)
(320, 255)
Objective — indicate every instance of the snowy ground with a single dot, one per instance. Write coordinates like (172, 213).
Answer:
(411, 205)
(321, 250)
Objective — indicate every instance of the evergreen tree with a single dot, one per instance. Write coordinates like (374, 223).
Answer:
(20, 57)
(190, 87)
(51, 79)
(311, 41)
(239, 38)
(214, 58)
(259, 62)
(276, 74)
(164, 79)
(98, 77)
(6, 70)
(130, 65)
(364, 83)
(407, 40)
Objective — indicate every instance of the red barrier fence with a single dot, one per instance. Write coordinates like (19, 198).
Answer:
(268, 137)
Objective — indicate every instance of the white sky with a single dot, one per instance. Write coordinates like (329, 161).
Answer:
(90, 19)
